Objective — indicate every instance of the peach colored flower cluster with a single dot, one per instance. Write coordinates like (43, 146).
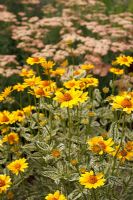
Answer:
(6, 16)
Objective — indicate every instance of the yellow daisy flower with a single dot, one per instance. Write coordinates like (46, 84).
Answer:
(87, 67)
(100, 146)
(7, 91)
(11, 138)
(6, 117)
(27, 73)
(116, 71)
(5, 182)
(56, 196)
(33, 81)
(91, 180)
(123, 102)
(19, 87)
(71, 84)
(87, 82)
(28, 109)
(70, 98)
(124, 60)
(123, 154)
(18, 166)
(36, 60)
(47, 65)
(58, 71)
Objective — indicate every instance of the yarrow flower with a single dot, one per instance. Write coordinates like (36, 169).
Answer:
(5, 182)
(18, 166)
(100, 146)
(56, 196)
(124, 60)
(91, 180)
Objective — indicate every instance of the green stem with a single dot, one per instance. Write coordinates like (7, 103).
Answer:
(69, 136)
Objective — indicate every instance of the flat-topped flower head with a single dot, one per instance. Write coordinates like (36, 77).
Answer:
(58, 72)
(35, 60)
(123, 102)
(11, 138)
(6, 117)
(123, 153)
(87, 66)
(91, 180)
(116, 71)
(72, 84)
(47, 65)
(69, 98)
(56, 196)
(5, 182)
(33, 81)
(18, 166)
(100, 146)
(88, 82)
(27, 73)
(124, 60)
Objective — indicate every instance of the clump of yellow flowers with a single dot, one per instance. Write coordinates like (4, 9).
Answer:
(71, 138)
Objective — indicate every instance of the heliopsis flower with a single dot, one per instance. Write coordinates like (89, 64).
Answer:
(18, 115)
(87, 82)
(28, 109)
(5, 182)
(7, 91)
(70, 98)
(100, 146)
(92, 180)
(11, 138)
(64, 63)
(41, 92)
(19, 87)
(6, 117)
(56, 196)
(18, 166)
(71, 84)
(124, 60)
(58, 72)
(123, 154)
(27, 73)
(87, 67)
(36, 60)
(47, 65)
(129, 146)
(33, 81)
(123, 102)
(116, 71)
